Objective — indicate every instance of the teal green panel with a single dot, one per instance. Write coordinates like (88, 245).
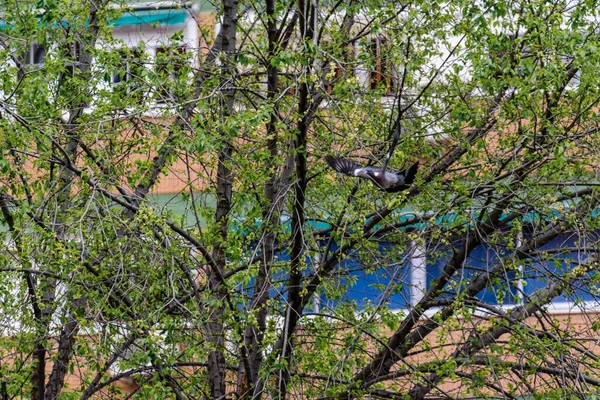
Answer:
(206, 7)
(148, 17)
(180, 206)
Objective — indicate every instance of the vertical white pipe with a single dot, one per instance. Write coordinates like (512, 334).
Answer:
(418, 272)
(520, 283)
(317, 295)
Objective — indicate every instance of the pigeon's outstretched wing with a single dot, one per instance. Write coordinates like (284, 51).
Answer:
(347, 167)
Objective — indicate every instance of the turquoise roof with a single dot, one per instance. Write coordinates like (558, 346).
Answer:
(149, 16)
(201, 5)
(167, 16)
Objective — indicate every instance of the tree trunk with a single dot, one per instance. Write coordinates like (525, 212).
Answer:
(294, 308)
(224, 186)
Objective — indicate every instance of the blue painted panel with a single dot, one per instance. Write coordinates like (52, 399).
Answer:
(539, 274)
(389, 284)
(481, 259)
(362, 285)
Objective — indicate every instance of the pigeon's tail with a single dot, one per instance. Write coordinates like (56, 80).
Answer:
(341, 165)
(409, 176)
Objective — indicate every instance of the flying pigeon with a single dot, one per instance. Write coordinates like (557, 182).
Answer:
(389, 181)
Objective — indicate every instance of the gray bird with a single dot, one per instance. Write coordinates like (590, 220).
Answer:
(389, 181)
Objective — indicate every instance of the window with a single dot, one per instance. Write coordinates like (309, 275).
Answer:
(286, 84)
(73, 55)
(127, 78)
(35, 55)
(333, 73)
(338, 62)
(381, 76)
(170, 65)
